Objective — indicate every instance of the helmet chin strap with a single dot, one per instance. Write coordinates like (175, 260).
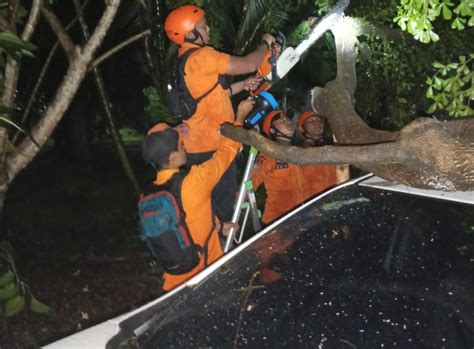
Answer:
(279, 134)
(307, 136)
(197, 35)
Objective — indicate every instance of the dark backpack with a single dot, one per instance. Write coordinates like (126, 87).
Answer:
(164, 227)
(178, 99)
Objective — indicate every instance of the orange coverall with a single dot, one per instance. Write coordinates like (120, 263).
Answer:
(196, 192)
(202, 70)
(288, 185)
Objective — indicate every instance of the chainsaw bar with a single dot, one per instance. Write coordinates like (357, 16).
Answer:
(291, 56)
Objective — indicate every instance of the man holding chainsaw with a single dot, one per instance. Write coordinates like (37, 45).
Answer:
(187, 27)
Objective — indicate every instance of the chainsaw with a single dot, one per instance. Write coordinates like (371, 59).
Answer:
(280, 59)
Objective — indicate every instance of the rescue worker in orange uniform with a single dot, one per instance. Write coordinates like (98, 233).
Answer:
(186, 26)
(289, 185)
(284, 183)
(318, 177)
(167, 152)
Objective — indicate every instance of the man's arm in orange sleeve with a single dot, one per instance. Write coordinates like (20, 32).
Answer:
(204, 177)
(262, 167)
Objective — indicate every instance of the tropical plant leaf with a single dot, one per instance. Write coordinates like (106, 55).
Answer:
(12, 44)
(18, 127)
(9, 291)
(15, 305)
(12, 123)
(39, 307)
(6, 278)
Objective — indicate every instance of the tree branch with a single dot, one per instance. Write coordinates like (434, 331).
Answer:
(336, 101)
(45, 67)
(3, 144)
(149, 63)
(32, 20)
(410, 160)
(101, 29)
(360, 156)
(11, 68)
(12, 13)
(334, 104)
(63, 37)
(119, 47)
(76, 72)
(346, 38)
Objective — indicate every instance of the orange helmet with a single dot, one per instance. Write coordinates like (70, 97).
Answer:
(267, 122)
(182, 20)
(305, 116)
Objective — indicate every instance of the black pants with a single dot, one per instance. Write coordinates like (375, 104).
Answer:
(224, 193)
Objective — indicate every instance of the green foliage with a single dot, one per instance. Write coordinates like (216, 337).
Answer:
(236, 26)
(155, 108)
(299, 34)
(11, 45)
(15, 295)
(452, 87)
(6, 118)
(130, 135)
(142, 3)
(417, 16)
(389, 84)
(323, 6)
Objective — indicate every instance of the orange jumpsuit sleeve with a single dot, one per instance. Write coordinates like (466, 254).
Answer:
(203, 68)
(262, 167)
(206, 175)
(196, 198)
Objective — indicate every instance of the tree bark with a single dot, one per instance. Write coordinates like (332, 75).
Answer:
(410, 160)
(10, 81)
(11, 68)
(120, 46)
(78, 66)
(63, 37)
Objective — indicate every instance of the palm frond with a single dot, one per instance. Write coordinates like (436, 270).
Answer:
(261, 16)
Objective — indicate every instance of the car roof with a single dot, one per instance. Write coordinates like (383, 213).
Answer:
(457, 196)
(97, 336)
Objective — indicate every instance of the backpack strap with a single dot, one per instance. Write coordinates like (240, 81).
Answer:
(181, 64)
(205, 248)
(175, 188)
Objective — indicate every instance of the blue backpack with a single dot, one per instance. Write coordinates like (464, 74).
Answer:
(164, 227)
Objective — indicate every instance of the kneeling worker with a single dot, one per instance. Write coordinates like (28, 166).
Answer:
(164, 150)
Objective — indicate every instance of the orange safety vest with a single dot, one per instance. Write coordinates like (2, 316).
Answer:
(196, 192)
(202, 70)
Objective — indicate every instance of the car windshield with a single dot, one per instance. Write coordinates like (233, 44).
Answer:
(360, 267)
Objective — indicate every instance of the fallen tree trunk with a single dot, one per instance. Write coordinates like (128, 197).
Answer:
(426, 154)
